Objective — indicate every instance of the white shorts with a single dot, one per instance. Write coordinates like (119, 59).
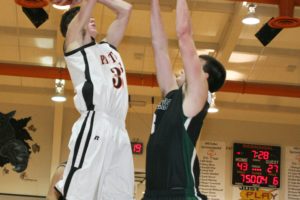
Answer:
(100, 164)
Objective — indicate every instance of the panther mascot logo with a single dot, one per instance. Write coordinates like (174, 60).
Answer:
(13, 146)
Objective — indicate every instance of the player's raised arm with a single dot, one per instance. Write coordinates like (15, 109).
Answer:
(165, 77)
(116, 30)
(196, 78)
(73, 25)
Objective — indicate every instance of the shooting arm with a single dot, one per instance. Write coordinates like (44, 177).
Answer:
(75, 33)
(116, 30)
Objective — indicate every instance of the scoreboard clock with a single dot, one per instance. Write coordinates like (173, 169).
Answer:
(256, 165)
(137, 147)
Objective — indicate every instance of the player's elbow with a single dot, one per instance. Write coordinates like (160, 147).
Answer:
(156, 43)
(124, 11)
(127, 9)
(180, 31)
(184, 40)
(183, 32)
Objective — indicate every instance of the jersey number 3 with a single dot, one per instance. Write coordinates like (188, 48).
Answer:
(117, 79)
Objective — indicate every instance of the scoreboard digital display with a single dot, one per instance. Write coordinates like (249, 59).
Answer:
(137, 147)
(256, 165)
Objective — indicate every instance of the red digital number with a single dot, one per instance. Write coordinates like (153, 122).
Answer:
(275, 180)
(137, 148)
(243, 166)
(261, 155)
(272, 167)
(254, 179)
(254, 153)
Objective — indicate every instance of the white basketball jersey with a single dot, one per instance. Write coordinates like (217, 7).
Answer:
(99, 79)
(100, 159)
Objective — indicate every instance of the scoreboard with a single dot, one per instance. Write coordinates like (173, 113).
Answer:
(256, 165)
(137, 147)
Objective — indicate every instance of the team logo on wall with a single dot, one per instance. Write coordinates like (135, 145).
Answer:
(15, 148)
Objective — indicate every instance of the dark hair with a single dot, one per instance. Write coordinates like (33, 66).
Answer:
(67, 18)
(216, 72)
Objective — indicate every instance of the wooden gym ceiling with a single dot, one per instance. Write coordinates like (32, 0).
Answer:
(217, 30)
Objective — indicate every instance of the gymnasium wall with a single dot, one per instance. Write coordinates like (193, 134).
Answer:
(235, 124)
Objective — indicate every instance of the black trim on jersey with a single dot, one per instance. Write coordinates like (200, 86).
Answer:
(61, 198)
(88, 87)
(112, 46)
(88, 137)
(68, 180)
(88, 45)
(80, 48)
(60, 194)
(76, 149)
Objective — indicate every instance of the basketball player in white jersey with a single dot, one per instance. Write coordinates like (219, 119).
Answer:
(100, 164)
